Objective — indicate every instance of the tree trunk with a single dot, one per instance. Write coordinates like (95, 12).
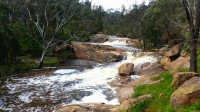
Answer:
(42, 59)
(194, 23)
(193, 52)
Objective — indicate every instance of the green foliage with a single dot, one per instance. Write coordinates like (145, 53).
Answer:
(51, 62)
(156, 104)
(198, 65)
(140, 106)
(6, 70)
(62, 58)
(183, 70)
(194, 108)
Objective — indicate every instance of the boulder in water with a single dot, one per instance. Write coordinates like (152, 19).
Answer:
(98, 53)
(126, 69)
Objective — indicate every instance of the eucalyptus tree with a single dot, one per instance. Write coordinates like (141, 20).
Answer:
(48, 17)
(192, 9)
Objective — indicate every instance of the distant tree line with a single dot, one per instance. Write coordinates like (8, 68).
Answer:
(31, 27)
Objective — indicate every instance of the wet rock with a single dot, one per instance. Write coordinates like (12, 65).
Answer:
(98, 53)
(173, 52)
(181, 62)
(145, 65)
(124, 93)
(126, 69)
(135, 43)
(187, 94)
(119, 81)
(180, 78)
(125, 105)
(88, 107)
(165, 62)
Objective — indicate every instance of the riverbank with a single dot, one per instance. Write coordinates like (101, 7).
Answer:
(28, 64)
(162, 92)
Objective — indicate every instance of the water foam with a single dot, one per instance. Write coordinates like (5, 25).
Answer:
(66, 83)
(65, 71)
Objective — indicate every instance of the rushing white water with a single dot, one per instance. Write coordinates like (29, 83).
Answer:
(119, 43)
(68, 86)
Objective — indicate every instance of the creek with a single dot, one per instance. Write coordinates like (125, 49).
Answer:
(80, 81)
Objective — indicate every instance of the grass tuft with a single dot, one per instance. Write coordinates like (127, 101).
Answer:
(156, 104)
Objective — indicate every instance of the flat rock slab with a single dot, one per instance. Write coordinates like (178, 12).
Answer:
(155, 69)
(88, 107)
(98, 53)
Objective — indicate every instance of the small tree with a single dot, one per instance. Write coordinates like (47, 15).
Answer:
(48, 18)
(192, 8)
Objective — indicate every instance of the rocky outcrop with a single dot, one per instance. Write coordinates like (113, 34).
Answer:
(98, 53)
(186, 94)
(173, 52)
(88, 107)
(165, 62)
(181, 62)
(126, 69)
(180, 78)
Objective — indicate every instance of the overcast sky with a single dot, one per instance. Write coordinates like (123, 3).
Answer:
(116, 4)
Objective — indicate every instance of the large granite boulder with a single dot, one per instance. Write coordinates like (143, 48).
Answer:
(187, 94)
(165, 62)
(181, 62)
(180, 78)
(173, 52)
(98, 53)
(126, 69)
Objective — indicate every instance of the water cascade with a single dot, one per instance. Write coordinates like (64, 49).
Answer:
(70, 85)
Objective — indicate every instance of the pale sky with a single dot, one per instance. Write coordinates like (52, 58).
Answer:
(116, 4)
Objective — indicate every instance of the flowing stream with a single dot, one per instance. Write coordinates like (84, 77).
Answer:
(81, 81)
